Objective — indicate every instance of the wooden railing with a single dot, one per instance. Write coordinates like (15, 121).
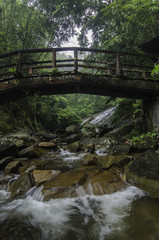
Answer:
(95, 61)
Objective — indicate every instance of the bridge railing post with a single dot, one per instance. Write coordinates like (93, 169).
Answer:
(75, 60)
(118, 65)
(19, 64)
(54, 58)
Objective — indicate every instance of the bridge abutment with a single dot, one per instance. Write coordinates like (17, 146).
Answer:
(151, 114)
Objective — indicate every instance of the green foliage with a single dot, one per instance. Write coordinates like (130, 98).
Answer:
(155, 71)
(144, 139)
(12, 70)
(137, 111)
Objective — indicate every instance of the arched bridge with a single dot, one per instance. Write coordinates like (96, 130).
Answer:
(76, 70)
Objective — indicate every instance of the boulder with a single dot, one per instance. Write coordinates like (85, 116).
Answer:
(143, 172)
(8, 149)
(74, 138)
(121, 149)
(71, 130)
(73, 146)
(20, 186)
(13, 167)
(48, 136)
(107, 162)
(90, 159)
(28, 152)
(105, 182)
(41, 176)
(5, 161)
(83, 180)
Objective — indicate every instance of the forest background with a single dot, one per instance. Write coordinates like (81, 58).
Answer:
(25, 24)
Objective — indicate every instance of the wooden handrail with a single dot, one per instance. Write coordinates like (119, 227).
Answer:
(116, 65)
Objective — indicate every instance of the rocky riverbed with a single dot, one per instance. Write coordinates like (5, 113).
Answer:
(51, 180)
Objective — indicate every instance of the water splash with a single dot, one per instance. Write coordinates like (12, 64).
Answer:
(84, 217)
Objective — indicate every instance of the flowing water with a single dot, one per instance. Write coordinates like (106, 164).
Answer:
(125, 215)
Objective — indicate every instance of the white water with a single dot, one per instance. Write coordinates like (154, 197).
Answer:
(103, 116)
(84, 217)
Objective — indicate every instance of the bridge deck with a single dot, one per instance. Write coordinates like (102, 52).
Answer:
(91, 71)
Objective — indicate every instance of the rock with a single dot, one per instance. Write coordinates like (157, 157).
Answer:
(90, 159)
(105, 182)
(16, 228)
(73, 138)
(107, 162)
(121, 149)
(8, 149)
(4, 179)
(13, 167)
(71, 130)
(41, 176)
(144, 172)
(28, 152)
(64, 185)
(5, 161)
(47, 145)
(21, 159)
(48, 137)
(73, 147)
(20, 186)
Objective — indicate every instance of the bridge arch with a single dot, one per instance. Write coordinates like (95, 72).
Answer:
(91, 71)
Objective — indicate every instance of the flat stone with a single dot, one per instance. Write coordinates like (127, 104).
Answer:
(5, 161)
(47, 145)
(41, 176)
(12, 167)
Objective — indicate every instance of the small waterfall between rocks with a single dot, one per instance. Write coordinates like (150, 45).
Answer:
(85, 217)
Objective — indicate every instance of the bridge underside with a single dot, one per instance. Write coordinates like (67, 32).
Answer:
(78, 83)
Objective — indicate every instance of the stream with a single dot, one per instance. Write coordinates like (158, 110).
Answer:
(125, 215)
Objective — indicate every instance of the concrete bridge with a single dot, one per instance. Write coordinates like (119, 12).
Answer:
(76, 70)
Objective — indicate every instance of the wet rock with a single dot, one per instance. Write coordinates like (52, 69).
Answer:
(20, 186)
(48, 136)
(121, 149)
(66, 184)
(16, 228)
(5, 161)
(41, 176)
(143, 172)
(4, 179)
(105, 182)
(90, 159)
(7, 149)
(47, 145)
(71, 130)
(20, 139)
(21, 159)
(105, 162)
(12, 167)
(74, 146)
(74, 138)
(28, 152)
